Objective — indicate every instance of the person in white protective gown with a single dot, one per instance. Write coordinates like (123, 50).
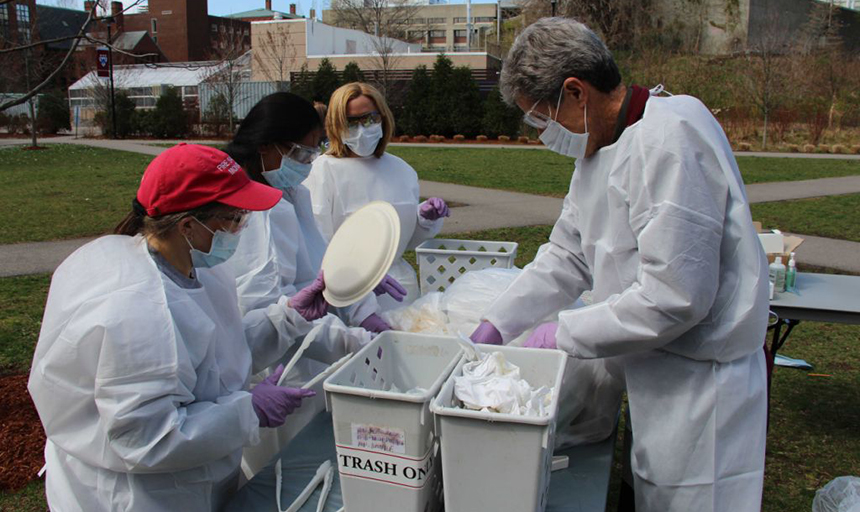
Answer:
(141, 369)
(657, 224)
(281, 249)
(356, 170)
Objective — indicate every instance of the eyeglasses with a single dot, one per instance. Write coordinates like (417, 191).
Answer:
(238, 219)
(535, 119)
(301, 153)
(366, 120)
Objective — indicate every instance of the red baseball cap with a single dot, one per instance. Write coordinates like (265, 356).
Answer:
(188, 176)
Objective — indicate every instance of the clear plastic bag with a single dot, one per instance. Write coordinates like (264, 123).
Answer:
(840, 495)
(425, 315)
(472, 294)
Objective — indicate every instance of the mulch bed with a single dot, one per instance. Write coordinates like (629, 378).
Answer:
(22, 439)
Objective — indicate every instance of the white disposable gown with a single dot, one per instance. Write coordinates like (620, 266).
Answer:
(140, 383)
(340, 186)
(280, 252)
(658, 225)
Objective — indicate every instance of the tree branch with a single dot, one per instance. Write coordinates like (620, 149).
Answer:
(66, 59)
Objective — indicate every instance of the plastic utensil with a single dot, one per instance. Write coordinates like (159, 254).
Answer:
(309, 338)
(320, 476)
(326, 489)
(328, 371)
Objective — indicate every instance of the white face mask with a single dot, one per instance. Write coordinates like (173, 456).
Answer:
(363, 141)
(563, 141)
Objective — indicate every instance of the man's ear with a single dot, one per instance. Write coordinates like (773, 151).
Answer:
(576, 89)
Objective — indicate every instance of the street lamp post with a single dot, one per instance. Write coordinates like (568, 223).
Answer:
(109, 22)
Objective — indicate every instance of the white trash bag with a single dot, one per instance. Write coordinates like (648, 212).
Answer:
(425, 316)
(840, 495)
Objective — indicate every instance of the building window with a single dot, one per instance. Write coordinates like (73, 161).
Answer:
(4, 21)
(436, 21)
(223, 29)
(459, 36)
(189, 90)
(154, 25)
(437, 36)
(418, 21)
(214, 28)
(485, 19)
(23, 13)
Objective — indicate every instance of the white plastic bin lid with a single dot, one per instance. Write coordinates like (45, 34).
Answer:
(360, 253)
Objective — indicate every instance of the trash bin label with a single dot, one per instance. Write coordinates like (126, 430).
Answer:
(384, 467)
(378, 438)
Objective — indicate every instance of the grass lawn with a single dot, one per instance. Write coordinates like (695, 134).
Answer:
(69, 191)
(813, 432)
(65, 191)
(831, 217)
(546, 173)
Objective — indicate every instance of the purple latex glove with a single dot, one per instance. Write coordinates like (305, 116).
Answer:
(390, 286)
(434, 208)
(309, 301)
(543, 336)
(274, 403)
(375, 323)
(487, 334)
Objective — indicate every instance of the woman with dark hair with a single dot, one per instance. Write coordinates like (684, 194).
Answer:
(281, 249)
(142, 365)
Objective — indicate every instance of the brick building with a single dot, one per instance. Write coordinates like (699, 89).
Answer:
(184, 31)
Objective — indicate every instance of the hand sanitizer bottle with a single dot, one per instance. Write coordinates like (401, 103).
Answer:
(791, 275)
(777, 275)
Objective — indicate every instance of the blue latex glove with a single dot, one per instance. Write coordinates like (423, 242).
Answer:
(309, 301)
(487, 334)
(274, 403)
(390, 286)
(434, 208)
(543, 336)
(375, 323)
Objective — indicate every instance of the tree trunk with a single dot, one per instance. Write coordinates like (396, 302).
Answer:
(764, 136)
(35, 143)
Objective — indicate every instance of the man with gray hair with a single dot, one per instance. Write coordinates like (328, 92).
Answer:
(657, 225)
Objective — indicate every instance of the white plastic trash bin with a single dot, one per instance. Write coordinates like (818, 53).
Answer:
(499, 461)
(442, 261)
(383, 429)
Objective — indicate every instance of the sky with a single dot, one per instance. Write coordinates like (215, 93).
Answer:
(224, 7)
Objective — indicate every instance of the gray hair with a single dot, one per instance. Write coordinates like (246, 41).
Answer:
(550, 51)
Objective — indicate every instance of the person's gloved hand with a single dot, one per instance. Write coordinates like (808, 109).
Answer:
(390, 286)
(375, 323)
(434, 208)
(487, 334)
(543, 336)
(309, 301)
(274, 403)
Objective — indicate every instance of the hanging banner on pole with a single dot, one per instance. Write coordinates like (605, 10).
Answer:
(102, 62)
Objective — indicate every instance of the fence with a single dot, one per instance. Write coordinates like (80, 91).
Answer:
(246, 94)
(23, 108)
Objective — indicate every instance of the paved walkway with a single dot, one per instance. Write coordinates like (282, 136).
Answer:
(485, 209)
(138, 145)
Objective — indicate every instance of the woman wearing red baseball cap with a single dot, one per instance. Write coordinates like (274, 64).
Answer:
(143, 360)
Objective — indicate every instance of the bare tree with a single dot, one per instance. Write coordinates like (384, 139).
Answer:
(765, 69)
(276, 55)
(83, 34)
(231, 67)
(388, 20)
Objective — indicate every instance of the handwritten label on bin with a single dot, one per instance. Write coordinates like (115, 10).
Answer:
(378, 439)
(386, 468)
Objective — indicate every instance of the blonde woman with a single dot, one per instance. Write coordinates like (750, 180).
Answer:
(356, 170)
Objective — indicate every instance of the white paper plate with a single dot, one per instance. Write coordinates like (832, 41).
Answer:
(360, 253)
